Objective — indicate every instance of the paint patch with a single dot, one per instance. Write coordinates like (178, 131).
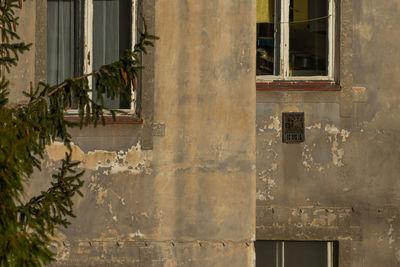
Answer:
(59, 240)
(390, 235)
(101, 195)
(134, 160)
(337, 152)
(261, 195)
(308, 160)
(263, 176)
(64, 255)
(398, 256)
(268, 177)
(275, 125)
(136, 234)
(331, 218)
(330, 129)
(274, 167)
(345, 134)
(315, 126)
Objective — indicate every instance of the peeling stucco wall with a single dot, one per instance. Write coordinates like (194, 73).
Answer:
(342, 182)
(219, 177)
(183, 196)
(132, 161)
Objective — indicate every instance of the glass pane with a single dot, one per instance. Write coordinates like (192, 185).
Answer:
(64, 41)
(308, 37)
(60, 41)
(268, 37)
(268, 253)
(306, 254)
(112, 30)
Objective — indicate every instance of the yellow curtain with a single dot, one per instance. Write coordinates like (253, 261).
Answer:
(265, 11)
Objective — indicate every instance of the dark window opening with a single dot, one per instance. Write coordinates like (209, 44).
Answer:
(296, 254)
(111, 33)
(295, 39)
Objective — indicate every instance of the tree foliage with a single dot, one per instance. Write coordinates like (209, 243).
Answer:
(27, 129)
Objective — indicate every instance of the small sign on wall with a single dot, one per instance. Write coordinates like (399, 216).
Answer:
(293, 127)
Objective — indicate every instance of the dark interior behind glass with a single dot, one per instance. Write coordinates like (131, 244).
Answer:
(295, 254)
(112, 35)
(268, 38)
(308, 38)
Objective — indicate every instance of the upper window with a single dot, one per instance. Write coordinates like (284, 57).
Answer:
(295, 39)
(83, 35)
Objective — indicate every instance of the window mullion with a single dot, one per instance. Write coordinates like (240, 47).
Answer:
(331, 38)
(88, 54)
(285, 39)
(135, 6)
(330, 256)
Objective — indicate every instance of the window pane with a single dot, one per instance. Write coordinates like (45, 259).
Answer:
(268, 38)
(268, 253)
(306, 254)
(60, 41)
(112, 30)
(308, 37)
(64, 41)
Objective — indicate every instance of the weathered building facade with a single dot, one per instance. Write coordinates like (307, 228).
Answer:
(206, 173)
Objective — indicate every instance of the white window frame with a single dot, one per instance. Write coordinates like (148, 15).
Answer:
(284, 48)
(88, 48)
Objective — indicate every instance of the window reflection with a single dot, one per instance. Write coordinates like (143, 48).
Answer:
(266, 41)
(111, 37)
(308, 37)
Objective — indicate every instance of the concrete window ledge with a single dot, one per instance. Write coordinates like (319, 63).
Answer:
(109, 120)
(297, 86)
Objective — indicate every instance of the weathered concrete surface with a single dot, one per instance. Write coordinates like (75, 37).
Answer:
(342, 183)
(187, 196)
(156, 254)
(20, 77)
(204, 97)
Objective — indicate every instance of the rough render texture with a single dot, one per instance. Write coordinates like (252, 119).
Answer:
(190, 200)
(21, 77)
(342, 182)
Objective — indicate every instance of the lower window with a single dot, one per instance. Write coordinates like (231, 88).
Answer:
(296, 254)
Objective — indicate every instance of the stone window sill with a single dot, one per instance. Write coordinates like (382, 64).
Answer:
(297, 86)
(109, 120)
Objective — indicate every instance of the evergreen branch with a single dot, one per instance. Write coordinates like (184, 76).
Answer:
(27, 129)
(63, 189)
(144, 41)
